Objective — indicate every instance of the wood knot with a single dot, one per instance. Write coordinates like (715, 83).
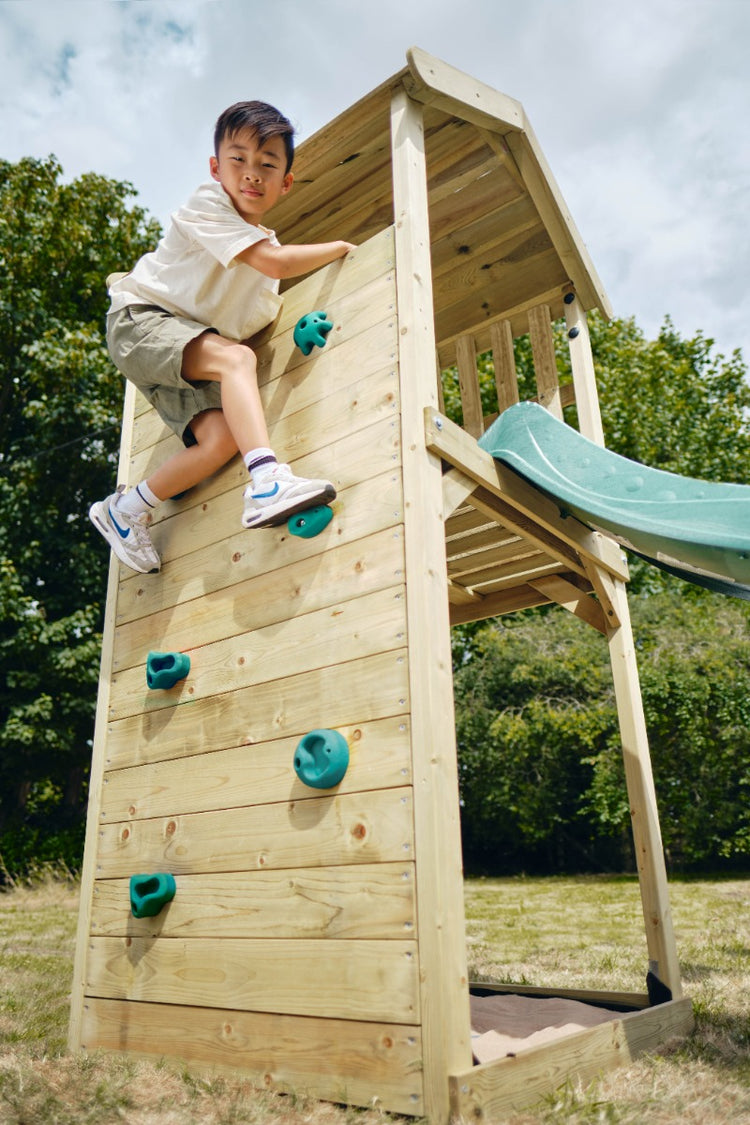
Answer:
(171, 828)
(359, 831)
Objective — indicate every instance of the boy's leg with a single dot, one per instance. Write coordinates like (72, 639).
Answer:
(212, 357)
(214, 446)
(276, 492)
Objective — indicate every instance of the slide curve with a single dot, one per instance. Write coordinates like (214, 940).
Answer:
(699, 530)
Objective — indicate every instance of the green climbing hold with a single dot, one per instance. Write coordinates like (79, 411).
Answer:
(150, 893)
(310, 522)
(321, 758)
(312, 330)
(164, 669)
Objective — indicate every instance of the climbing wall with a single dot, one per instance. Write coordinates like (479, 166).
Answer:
(290, 950)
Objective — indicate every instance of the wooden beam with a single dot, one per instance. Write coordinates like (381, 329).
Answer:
(649, 852)
(98, 761)
(493, 1091)
(495, 605)
(557, 589)
(503, 358)
(451, 443)
(468, 382)
(545, 360)
(582, 366)
(442, 947)
(435, 83)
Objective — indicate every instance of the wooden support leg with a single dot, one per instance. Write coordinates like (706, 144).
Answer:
(652, 874)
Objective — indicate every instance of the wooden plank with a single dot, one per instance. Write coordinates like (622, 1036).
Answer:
(582, 366)
(223, 553)
(308, 441)
(444, 995)
(358, 1061)
(603, 586)
(510, 219)
(98, 760)
(456, 447)
(347, 406)
(435, 83)
(495, 605)
(262, 712)
(240, 775)
(295, 586)
(559, 590)
(493, 1090)
(479, 538)
(488, 503)
(362, 902)
(649, 851)
(495, 265)
(337, 634)
(511, 289)
(504, 361)
(468, 381)
(460, 595)
(320, 832)
(456, 491)
(375, 980)
(545, 361)
(470, 208)
(485, 559)
(515, 573)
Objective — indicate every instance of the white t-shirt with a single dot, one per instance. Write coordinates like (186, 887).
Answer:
(193, 271)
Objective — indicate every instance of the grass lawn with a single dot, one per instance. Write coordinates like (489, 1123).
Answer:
(584, 932)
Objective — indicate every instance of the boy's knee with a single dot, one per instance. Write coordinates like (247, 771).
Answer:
(238, 359)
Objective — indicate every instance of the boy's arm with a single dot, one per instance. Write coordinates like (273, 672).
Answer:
(280, 262)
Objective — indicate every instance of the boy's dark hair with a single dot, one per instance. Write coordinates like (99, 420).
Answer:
(260, 118)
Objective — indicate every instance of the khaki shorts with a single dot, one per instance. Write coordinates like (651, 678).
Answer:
(146, 345)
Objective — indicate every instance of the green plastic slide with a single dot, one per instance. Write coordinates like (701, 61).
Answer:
(699, 530)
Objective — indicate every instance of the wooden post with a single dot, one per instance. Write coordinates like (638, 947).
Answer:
(545, 362)
(506, 378)
(439, 884)
(468, 381)
(96, 781)
(649, 853)
(582, 366)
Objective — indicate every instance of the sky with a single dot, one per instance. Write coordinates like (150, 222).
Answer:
(642, 110)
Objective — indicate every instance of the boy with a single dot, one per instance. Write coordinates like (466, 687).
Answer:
(176, 322)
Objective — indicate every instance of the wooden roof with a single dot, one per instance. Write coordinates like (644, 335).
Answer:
(502, 239)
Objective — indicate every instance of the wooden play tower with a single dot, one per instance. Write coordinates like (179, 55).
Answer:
(316, 940)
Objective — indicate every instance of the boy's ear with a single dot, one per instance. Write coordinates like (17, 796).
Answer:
(213, 165)
(286, 186)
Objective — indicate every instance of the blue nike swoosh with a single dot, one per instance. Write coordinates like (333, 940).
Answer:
(266, 495)
(122, 532)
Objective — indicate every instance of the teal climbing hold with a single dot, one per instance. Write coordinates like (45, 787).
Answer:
(312, 330)
(164, 669)
(150, 893)
(321, 758)
(310, 522)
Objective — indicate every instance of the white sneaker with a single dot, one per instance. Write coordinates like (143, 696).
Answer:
(279, 494)
(128, 536)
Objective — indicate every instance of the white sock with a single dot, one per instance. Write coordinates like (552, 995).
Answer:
(260, 462)
(138, 500)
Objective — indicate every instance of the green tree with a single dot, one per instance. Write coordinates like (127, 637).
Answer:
(60, 404)
(542, 780)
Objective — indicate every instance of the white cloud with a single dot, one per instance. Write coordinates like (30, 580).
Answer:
(642, 109)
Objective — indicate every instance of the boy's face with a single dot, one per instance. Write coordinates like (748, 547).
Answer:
(252, 175)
